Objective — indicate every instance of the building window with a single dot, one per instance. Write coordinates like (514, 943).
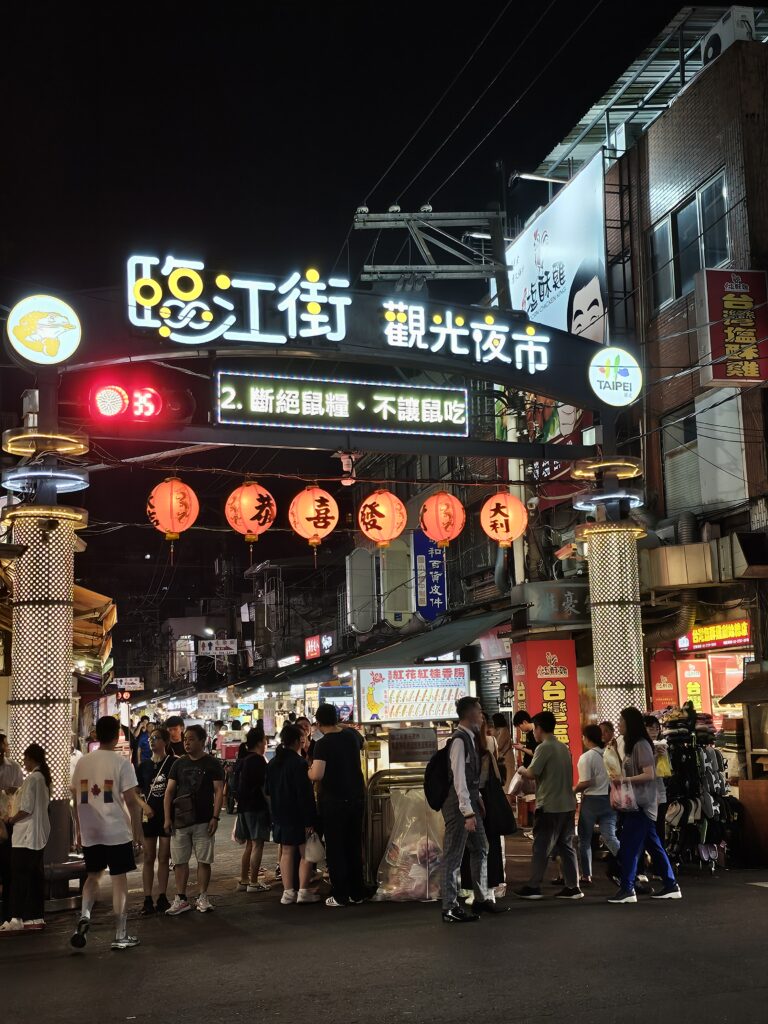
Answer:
(682, 479)
(693, 236)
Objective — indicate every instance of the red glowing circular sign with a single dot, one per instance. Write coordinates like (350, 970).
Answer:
(111, 400)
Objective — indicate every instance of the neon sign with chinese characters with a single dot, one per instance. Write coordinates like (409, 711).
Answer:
(717, 636)
(269, 400)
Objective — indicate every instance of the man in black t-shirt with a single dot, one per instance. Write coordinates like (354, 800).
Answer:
(175, 726)
(192, 807)
(336, 766)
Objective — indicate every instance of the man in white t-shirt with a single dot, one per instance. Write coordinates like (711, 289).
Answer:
(595, 801)
(108, 821)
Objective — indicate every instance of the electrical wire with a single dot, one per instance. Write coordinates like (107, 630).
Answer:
(439, 101)
(519, 99)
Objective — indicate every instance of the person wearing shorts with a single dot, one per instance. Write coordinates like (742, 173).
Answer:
(108, 828)
(253, 823)
(192, 805)
(153, 778)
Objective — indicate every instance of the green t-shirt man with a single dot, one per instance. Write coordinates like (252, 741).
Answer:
(553, 770)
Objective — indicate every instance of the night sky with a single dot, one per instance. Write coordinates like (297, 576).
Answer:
(247, 135)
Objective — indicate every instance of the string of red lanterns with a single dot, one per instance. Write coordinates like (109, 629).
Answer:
(313, 514)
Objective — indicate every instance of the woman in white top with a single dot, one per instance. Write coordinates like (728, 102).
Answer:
(31, 828)
(595, 803)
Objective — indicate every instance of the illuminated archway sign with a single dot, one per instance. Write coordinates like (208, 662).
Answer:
(179, 302)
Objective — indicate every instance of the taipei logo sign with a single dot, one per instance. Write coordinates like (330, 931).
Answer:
(615, 376)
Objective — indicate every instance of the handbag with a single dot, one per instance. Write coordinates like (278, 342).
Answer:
(499, 816)
(183, 811)
(314, 851)
(623, 795)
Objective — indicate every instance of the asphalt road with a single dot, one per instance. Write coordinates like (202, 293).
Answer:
(702, 959)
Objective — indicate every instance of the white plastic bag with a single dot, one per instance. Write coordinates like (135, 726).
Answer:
(410, 867)
(314, 851)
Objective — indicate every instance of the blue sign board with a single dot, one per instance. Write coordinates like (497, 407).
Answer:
(429, 577)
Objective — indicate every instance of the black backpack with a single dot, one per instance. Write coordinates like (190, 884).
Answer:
(438, 777)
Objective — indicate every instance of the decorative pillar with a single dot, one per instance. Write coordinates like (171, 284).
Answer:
(41, 688)
(617, 634)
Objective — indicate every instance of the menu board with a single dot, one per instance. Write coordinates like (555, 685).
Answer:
(412, 693)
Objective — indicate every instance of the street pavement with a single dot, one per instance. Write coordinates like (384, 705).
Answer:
(701, 959)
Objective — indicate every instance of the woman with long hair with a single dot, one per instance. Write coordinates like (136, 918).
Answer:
(638, 831)
(152, 776)
(31, 828)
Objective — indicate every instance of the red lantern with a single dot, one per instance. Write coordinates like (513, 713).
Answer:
(172, 507)
(313, 514)
(442, 518)
(504, 518)
(251, 510)
(382, 517)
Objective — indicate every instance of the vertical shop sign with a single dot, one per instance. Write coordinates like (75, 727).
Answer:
(544, 673)
(429, 578)
(693, 683)
(732, 311)
(663, 680)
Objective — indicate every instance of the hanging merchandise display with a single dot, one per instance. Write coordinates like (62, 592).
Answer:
(172, 507)
(442, 518)
(250, 510)
(504, 518)
(313, 514)
(382, 517)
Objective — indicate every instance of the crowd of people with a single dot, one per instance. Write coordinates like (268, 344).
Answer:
(163, 807)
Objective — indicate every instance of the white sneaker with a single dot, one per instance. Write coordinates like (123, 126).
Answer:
(125, 942)
(331, 902)
(203, 904)
(179, 906)
(289, 896)
(308, 896)
(500, 891)
(257, 887)
(14, 925)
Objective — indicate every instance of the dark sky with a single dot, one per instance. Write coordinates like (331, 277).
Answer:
(248, 133)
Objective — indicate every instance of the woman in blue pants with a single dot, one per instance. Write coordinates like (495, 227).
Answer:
(638, 830)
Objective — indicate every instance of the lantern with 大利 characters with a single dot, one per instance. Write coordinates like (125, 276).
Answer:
(504, 518)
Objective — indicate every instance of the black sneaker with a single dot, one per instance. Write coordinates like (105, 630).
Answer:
(669, 892)
(624, 896)
(489, 907)
(278, 873)
(528, 892)
(77, 938)
(458, 916)
(162, 903)
(643, 888)
(149, 907)
(569, 894)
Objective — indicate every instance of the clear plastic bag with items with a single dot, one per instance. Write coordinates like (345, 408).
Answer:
(410, 867)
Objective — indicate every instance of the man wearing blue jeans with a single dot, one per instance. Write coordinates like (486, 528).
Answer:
(595, 802)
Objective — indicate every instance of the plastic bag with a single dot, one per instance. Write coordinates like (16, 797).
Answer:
(521, 786)
(314, 851)
(410, 867)
(623, 795)
(663, 767)
(612, 763)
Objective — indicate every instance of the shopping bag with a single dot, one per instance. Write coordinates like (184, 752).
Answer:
(521, 786)
(237, 833)
(499, 816)
(623, 795)
(612, 763)
(663, 767)
(314, 851)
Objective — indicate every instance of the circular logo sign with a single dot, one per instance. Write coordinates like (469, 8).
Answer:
(615, 376)
(44, 330)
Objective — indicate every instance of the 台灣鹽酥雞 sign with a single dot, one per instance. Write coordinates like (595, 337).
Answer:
(732, 314)
(266, 400)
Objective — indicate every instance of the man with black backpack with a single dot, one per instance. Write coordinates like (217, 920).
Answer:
(463, 811)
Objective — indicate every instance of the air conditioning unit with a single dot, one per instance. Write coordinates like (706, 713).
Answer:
(736, 24)
(623, 137)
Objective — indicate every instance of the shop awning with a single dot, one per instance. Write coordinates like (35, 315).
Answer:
(754, 690)
(432, 644)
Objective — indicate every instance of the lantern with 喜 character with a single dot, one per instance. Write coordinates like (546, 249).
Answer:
(251, 510)
(313, 514)
(442, 518)
(382, 517)
(504, 518)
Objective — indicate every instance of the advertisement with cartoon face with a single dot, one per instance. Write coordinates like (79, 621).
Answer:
(557, 276)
